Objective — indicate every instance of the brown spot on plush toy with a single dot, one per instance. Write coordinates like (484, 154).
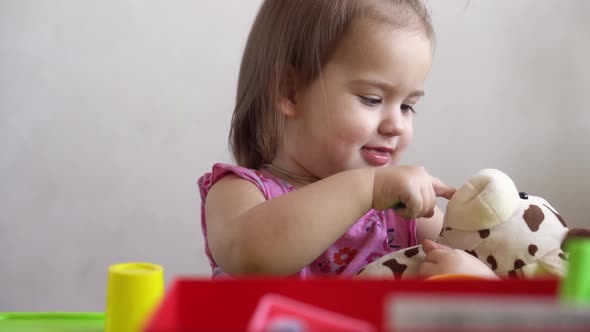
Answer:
(492, 261)
(518, 264)
(516, 234)
(533, 216)
(395, 267)
(412, 252)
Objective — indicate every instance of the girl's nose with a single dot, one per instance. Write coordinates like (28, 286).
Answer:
(392, 123)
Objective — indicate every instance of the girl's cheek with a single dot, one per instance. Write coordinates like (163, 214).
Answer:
(405, 140)
(354, 133)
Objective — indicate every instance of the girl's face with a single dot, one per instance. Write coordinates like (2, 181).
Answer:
(358, 113)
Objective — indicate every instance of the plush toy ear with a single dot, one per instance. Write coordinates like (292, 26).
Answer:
(574, 233)
(487, 199)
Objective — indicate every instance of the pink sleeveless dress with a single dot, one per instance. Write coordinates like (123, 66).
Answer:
(374, 235)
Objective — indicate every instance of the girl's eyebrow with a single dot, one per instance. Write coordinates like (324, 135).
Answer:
(385, 86)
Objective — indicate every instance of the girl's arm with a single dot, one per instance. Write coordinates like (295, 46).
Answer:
(250, 235)
(429, 228)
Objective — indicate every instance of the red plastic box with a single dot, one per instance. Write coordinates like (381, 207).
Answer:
(229, 305)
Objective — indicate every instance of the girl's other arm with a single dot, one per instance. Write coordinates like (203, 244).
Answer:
(440, 259)
(429, 228)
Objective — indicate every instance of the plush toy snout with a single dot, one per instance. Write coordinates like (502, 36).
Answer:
(484, 201)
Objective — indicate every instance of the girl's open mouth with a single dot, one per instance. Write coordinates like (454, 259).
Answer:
(376, 156)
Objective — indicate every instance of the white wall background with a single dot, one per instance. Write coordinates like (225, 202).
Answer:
(110, 111)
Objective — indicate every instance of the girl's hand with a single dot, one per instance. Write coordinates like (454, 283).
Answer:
(409, 187)
(441, 259)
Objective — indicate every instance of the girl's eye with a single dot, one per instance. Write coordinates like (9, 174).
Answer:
(370, 101)
(407, 108)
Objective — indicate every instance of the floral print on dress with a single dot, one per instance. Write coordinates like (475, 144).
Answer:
(340, 270)
(324, 266)
(261, 178)
(344, 256)
(373, 223)
(389, 244)
(372, 257)
(287, 185)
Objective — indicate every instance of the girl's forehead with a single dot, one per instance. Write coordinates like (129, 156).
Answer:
(379, 48)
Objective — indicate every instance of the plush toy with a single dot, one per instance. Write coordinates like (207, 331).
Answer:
(515, 234)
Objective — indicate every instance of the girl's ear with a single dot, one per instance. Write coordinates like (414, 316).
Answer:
(287, 101)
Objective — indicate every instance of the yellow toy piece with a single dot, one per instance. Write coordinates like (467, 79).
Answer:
(133, 292)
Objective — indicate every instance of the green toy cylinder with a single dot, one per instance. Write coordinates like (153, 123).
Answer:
(575, 287)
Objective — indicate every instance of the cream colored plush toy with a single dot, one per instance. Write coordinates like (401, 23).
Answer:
(515, 234)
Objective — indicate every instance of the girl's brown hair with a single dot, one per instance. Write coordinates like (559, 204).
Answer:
(297, 35)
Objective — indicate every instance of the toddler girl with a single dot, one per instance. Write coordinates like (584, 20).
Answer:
(326, 96)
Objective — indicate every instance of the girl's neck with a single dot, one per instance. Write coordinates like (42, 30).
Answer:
(296, 180)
